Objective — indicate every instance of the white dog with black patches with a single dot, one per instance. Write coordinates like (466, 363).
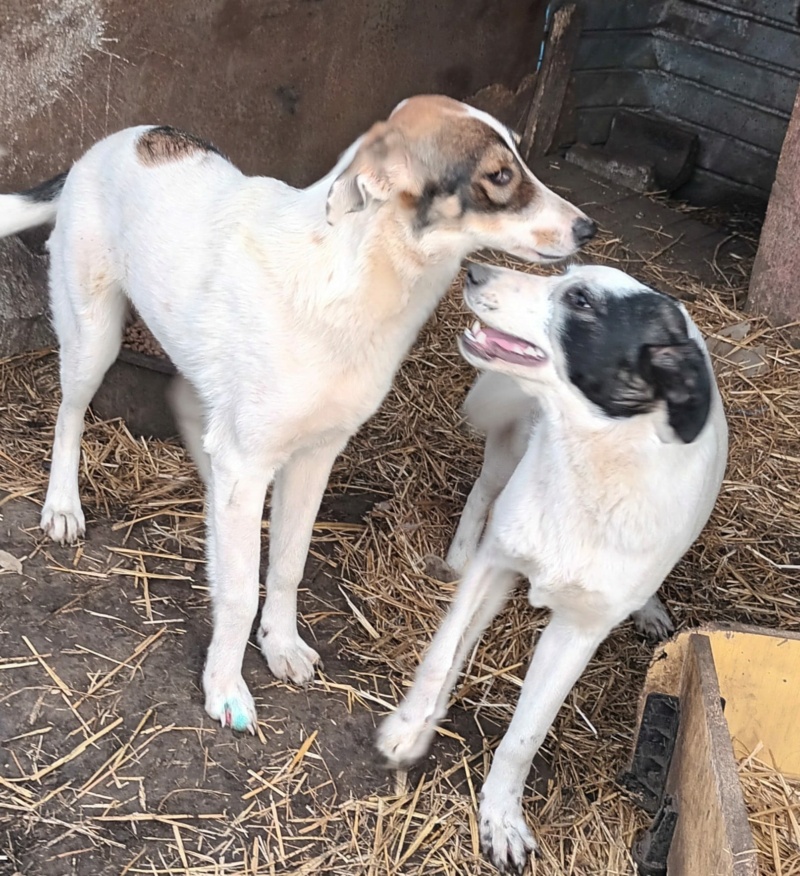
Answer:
(606, 447)
(286, 311)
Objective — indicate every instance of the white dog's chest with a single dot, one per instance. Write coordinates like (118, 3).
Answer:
(342, 402)
(580, 546)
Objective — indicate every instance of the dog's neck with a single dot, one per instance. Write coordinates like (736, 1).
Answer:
(375, 266)
(578, 424)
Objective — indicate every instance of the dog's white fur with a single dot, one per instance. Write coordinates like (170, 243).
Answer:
(286, 311)
(593, 511)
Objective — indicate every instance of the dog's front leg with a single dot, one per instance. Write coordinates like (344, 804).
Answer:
(560, 657)
(235, 505)
(296, 497)
(407, 733)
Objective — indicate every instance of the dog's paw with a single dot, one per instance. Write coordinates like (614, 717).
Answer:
(62, 523)
(439, 569)
(653, 622)
(289, 659)
(405, 736)
(231, 704)
(506, 839)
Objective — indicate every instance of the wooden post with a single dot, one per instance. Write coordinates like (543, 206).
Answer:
(712, 836)
(543, 114)
(775, 283)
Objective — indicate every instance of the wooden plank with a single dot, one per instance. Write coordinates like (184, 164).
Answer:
(551, 83)
(773, 285)
(712, 836)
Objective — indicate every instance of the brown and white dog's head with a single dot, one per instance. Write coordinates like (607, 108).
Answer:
(455, 178)
(594, 335)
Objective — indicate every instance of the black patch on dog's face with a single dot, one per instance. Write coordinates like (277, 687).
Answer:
(47, 191)
(626, 353)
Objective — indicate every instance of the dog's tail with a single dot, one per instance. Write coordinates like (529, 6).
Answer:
(36, 206)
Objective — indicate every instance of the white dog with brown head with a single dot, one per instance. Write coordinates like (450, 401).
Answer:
(606, 448)
(286, 311)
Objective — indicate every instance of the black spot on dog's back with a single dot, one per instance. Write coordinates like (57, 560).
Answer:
(165, 143)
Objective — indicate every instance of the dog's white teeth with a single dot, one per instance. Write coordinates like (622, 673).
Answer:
(475, 327)
(535, 352)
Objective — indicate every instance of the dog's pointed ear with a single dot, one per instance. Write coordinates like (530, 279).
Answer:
(379, 166)
(680, 374)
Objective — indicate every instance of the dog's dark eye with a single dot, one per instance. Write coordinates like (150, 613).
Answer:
(501, 177)
(578, 299)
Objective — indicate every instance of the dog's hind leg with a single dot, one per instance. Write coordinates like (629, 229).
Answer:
(502, 453)
(296, 497)
(88, 313)
(653, 621)
(188, 412)
(406, 734)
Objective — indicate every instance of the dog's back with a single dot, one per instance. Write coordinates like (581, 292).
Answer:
(137, 211)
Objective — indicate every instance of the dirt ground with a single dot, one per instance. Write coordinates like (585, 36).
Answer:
(108, 763)
(96, 622)
(105, 642)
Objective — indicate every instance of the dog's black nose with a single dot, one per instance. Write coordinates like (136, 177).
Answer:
(583, 230)
(477, 274)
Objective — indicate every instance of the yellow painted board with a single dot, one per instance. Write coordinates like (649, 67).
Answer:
(759, 679)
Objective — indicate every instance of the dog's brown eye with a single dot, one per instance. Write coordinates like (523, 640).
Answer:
(578, 299)
(501, 177)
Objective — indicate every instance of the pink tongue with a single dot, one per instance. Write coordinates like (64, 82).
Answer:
(505, 342)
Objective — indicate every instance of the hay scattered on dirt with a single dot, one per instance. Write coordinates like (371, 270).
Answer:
(773, 807)
(418, 459)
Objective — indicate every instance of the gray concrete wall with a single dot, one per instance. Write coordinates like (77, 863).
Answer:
(728, 71)
(282, 86)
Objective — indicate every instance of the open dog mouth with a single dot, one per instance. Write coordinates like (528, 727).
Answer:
(489, 344)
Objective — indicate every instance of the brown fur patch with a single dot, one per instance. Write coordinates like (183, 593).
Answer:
(441, 158)
(447, 144)
(424, 115)
(164, 144)
(408, 200)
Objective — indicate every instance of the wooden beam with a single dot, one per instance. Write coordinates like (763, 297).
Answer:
(774, 284)
(758, 670)
(544, 111)
(759, 676)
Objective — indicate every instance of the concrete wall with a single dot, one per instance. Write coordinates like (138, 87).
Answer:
(282, 86)
(726, 70)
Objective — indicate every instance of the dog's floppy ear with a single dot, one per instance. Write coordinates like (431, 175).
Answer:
(681, 377)
(379, 166)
